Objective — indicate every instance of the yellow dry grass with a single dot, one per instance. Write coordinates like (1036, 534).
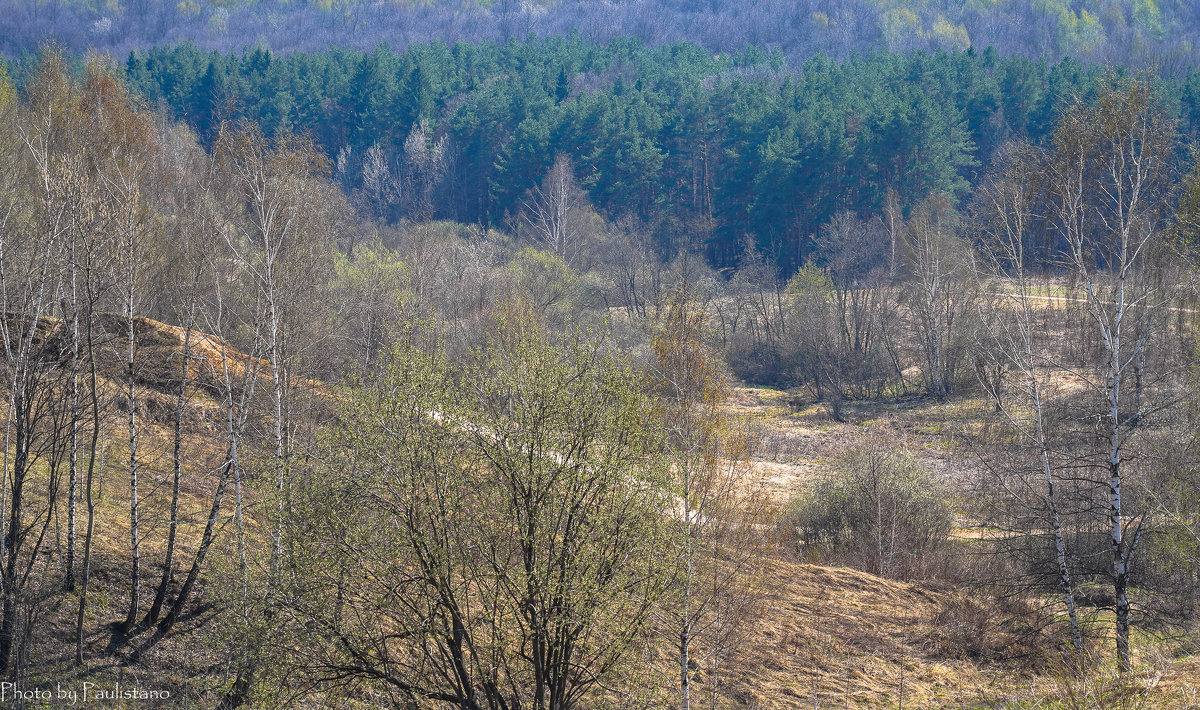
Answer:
(821, 637)
(800, 442)
(833, 637)
(829, 637)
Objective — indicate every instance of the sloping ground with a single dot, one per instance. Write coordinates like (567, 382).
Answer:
(181, 662)
(836, 638)
(158, 359)
(819, 637)
(832, 637)
(159, 355)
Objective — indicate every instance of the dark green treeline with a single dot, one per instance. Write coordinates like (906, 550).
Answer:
(706, 150)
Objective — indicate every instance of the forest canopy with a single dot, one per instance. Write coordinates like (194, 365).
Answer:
(709, 152)
(1138, 33)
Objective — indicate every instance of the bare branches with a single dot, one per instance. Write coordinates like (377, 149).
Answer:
(1103, 192)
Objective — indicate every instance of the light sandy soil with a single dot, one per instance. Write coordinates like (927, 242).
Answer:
(799, 444)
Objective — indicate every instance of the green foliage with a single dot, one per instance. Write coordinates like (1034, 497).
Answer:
(879, 511)
(673, 135)
(371, 267)
(543, 279)
(1187, 221)
(901, 27)
(374, 284)
(950, 35)
(1148, 18)
(8, 95)
(809, 288)
(489, 531)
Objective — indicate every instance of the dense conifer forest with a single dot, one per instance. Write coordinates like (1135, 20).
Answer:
(723, 148)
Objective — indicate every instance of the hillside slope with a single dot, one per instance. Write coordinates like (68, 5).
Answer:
(817, 637)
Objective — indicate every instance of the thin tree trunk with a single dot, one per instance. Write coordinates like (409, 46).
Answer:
(134, 537)
(685, 688)
(236, 416)
(685, 627)
(1066, 586)
(176, 471)
(280, 459)
(206, 541)
(8, 618)
(238, 511)
(22, 413)
(1120, 577)
(91, 502)
(1119, 565)
(73, 482)
(1060, 552)
(1124, 656)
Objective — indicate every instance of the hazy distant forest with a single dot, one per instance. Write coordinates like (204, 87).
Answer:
(1135, 33)
(600, 354)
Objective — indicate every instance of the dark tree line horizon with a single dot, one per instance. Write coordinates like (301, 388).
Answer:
(708, 153)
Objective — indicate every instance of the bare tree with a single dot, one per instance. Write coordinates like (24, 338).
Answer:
(282, 240)
(708, 452)
(29, 270)
(278, 232)
(557, 217)
(1111, 176)
(637, 269)
(191, 179)
(1101, 196)
(122, 179)
(855, 257)
(224, 306)
(380, 191)
(938, 290)
(1016, 344)
(893, 218)
(424, 167)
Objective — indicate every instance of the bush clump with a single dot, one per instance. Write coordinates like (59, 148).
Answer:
(880, 512)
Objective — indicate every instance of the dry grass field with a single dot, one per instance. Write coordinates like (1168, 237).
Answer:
(816, 636)
(835, 637)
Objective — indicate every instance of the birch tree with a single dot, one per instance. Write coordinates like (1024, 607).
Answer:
(279, 241)
(188, 172)
(283, 211)
(1016, 342)
(95, 248)
(122, 181)
(31, 248)
(1111, 173)
(556, 215)
(1101, 193)
(938, 291)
